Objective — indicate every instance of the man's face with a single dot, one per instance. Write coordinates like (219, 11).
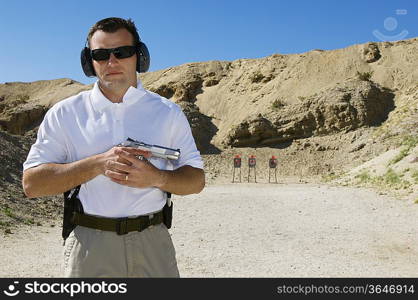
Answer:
(114, 74)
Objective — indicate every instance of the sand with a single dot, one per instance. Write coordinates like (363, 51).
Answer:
(262, 230)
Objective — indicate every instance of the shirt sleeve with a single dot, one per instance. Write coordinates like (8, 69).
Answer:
(50, 145)
(182, 139)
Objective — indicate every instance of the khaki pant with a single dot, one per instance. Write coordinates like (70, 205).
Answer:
(95, 253)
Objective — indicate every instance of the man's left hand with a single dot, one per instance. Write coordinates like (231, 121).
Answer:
(140, 174)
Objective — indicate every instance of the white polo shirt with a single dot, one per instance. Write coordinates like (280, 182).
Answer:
(88, 124)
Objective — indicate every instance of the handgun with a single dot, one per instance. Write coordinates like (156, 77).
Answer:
(156, 151)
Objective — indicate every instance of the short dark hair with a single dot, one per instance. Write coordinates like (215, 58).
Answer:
(112, 25)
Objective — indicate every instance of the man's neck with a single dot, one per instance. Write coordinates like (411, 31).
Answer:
(114, 95)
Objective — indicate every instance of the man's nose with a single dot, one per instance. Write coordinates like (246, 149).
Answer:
(112, 59)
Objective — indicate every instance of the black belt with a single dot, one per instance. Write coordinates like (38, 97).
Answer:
(119, 225)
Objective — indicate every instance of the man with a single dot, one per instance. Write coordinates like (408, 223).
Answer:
(76, 146)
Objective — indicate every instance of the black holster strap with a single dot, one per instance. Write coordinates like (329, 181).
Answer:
(119, 225)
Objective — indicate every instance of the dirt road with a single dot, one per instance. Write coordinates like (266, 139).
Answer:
(261, 230)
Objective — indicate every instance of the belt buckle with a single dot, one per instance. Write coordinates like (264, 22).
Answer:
(122, 226)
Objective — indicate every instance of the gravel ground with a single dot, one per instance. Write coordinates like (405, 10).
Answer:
(262, 230)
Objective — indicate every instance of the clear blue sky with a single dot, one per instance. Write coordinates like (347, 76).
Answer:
(42, 39)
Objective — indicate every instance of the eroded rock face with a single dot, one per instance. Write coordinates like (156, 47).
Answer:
(250, 101)
(21, 119)
(251, 132)
(342, 108)
(202, 128)
(12, 153)
(371, 52)
(184, 83)
(24, 104)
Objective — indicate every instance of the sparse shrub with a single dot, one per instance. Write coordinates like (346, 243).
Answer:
(391, 178)
(8, 212)
(22, 98)
(301, 98)
(268, 78)
(277, 104)
(29, 221)
(400, 156)
(364, 177)
(4, 223)
(409, 142)
(211, 82)
(330, 177)
(415, 176)
(364, 76)
(256, 77)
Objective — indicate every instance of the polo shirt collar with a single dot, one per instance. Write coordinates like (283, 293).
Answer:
(132, 95)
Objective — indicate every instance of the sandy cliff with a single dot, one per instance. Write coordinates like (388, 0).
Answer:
(323, 113)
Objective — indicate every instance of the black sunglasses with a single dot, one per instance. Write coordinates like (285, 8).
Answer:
(119, 52)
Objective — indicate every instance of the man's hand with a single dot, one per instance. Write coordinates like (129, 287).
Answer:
(122, 166)
(114, 154)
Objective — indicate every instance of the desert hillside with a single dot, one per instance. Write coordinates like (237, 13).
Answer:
(347, 116)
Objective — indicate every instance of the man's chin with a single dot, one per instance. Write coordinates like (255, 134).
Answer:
(114, 77)
(116, 82)
(113, 82)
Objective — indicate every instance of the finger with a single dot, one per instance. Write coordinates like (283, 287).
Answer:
(124, 161)
(118, 167)
(115, 175)
(123, 156)
(124, 153)
(130, 157)
(136, 151)
(116, 171)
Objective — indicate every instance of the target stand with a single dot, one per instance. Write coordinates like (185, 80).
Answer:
(251, 166)
(273, 168)
(237, 165)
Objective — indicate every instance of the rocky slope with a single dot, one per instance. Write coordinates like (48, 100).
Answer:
(23, 105)
(322, 113)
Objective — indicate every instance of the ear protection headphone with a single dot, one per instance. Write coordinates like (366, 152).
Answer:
(142, 54)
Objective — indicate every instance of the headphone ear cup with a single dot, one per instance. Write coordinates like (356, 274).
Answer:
(144, 59)
(87, 63)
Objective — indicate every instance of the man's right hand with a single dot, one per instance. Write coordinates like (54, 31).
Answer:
(114, 155)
